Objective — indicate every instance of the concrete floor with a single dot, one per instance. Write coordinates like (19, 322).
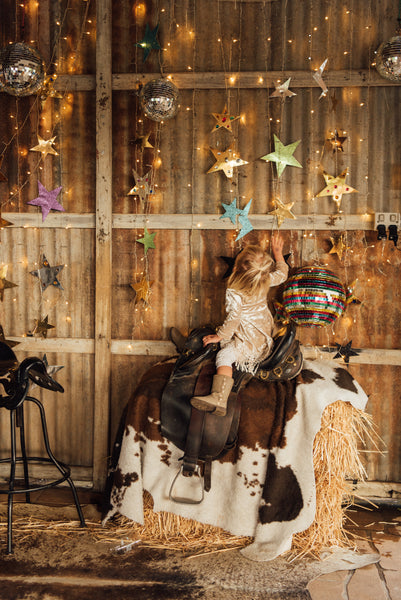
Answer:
(68, 569)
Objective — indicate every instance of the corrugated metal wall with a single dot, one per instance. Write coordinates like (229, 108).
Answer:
(208, 37)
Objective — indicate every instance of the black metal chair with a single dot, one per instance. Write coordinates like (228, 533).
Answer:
(15, 379)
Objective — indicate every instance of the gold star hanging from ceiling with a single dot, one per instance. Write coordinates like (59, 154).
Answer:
(47, 90)
(282, 91)
(337, 141)
(226, 161)
(336, 187)
(224, 120)
(42, 326)
(143, 141)
(4, 284)
(282, 211)
(142, 290)
(339, 247)
(45, 146)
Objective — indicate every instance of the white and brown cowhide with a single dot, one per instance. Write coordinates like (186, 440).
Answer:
(264, 487)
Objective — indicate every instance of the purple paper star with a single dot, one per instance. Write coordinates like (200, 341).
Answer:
(47, 200)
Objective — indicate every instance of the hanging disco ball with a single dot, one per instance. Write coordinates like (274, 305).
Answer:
(314, 296)
(22, 70)
(159, 99)
(388, 59)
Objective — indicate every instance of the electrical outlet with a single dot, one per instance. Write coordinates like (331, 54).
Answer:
(386, 219)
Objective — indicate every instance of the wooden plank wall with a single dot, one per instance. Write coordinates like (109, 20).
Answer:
(218, 53)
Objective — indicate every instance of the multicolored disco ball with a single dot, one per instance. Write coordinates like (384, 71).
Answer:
(22, 70)
(314, 297)
(388, 59)
(159, 99)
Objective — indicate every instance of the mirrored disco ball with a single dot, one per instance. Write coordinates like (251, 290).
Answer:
(22, 70)
(388, 59)
(159, 99)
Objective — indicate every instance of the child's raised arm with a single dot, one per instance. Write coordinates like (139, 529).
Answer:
(277, 244)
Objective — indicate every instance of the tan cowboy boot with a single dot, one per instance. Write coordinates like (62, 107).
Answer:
(216, 402)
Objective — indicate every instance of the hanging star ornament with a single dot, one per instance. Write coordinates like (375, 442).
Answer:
(42, 326)
(47, 275)
(317, 76)
(50, 370)
(282, 91)
(350, 294)
(45, 146)
(47, 90)
(226, 161)
(47, 200)
(346, 351)
(142, 185)
(224, 120)
(336, 187)
(231, 211)
(338, 246)
(149, 42)
(143, 141)
(282, 211)
(147, 240)
(245, 223)
(336, 142)
(142, 290)
(282, 155)
(4, 284)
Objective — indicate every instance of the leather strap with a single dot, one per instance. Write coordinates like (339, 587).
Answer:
(193, 442)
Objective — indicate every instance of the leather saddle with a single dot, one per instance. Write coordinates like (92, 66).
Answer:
(203, 436)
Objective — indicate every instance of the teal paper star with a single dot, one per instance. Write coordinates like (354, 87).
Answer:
(147, 240)
(283, 155)
(244, 221)
(149, 42)
(231, 211)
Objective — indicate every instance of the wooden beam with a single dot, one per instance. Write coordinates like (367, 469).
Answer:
(103, 285)
(221, 80)
(188, 221)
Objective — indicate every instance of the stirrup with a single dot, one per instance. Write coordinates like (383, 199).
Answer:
(182, 500)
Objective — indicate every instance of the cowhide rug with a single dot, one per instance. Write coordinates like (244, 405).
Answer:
(263, 488)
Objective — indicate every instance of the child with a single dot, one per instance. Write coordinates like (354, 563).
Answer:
(245, 336)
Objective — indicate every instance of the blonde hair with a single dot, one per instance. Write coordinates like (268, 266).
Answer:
(251, 274)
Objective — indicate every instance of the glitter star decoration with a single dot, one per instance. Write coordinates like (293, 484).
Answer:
(245, 223)
(317, 76)
(42, 326)
(142, 185)
(337, 141)
(226, 161)
(149, 41)
(143, 141)
(224, 120)
(282, 211)
(231, 211)
(45, 146)
(346, 351)
(4, 283)
(47, 200)
(47, 275)
(338, 246)
(283, 155)
(147, 240)
(282, 91)
(142, 290)
(336, 187)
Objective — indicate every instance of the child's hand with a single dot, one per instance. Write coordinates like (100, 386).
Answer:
(277, 244)
(211, 339)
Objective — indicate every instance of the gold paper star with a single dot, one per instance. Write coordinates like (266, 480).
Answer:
(4, 284)
(282, 211)
(142, 290)
(47, 90)
(45, 146)
(226, 161)
(338, 246)
(42, 326)
(142, 185)
(349, 290)
(143, 141)
(336, 187)
(224, 120)
(283, 155)
(282, 91)
(337, 141)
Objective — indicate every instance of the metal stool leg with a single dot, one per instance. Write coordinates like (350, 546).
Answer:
(11, 484)
(21, 426)
(64, 471)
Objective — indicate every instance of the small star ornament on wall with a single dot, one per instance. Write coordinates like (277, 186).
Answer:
(47, 200)
(245, 223)
(47, 275)
(224, 120)
(226, 161)
(283, 155)
(231, 211)
(147, 240)
(143, 141)
(337, 141)
(282, 91)
(142, 290)
(45, 146)
(338, 246)
(149, 41)
(142, 185)
(282, 211)
(346, 351)
(42, 326)
(317, 76)
(336, 187)
(4, 284)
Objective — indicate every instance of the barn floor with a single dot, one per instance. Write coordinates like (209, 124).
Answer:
(48, 566)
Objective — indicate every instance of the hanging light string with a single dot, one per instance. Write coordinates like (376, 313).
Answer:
(194, 273)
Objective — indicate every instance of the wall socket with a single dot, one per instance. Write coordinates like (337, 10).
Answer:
(386, 219)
